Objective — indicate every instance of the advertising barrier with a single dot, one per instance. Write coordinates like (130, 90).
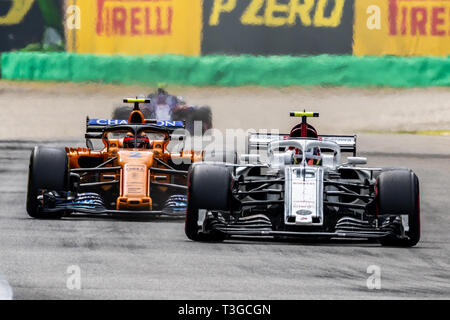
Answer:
(273, 27)
(21, 23)
(259, 27)
(398, 43)
(134, 26)
(402, 27)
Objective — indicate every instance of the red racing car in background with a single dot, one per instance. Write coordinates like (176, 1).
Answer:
(303, 190)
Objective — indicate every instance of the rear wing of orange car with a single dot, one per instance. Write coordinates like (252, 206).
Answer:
(101, 125)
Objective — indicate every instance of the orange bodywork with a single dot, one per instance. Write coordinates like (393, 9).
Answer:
(135, 175)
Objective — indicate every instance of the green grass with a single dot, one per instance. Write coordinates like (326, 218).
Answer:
(230, 71)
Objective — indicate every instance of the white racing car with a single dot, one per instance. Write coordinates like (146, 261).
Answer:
(303, 190)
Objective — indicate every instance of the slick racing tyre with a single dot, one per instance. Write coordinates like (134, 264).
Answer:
(193, 115)
(209, 190)
(122, 113)
(204, 115)
(398, 194)
(49, 170)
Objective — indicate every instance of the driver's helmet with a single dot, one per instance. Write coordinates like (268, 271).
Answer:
(299, 132)
(139, 142)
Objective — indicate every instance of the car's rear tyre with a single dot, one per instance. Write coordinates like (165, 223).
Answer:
(48, 169)
(398, 194)
(209, 189)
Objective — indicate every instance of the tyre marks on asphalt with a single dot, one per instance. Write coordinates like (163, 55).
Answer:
(6, 292)
(156, 260)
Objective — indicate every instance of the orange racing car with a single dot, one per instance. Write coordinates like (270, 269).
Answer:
(134, 172)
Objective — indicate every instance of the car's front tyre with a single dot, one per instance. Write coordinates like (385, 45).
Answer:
(398, 194)
(209, 189)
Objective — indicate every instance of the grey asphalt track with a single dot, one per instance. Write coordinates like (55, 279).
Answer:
(154, 260)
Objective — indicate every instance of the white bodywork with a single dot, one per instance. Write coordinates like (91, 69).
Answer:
(303, 182)
(303, 195)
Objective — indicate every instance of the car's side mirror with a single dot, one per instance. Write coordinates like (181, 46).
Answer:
(250, 158)
(356, 160)
(89, 144)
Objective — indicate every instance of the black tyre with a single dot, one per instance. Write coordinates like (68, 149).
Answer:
(190, 116)
(204, 114)
(376, 174)
(222, 156)
(398, 194)
(48, 169)
(209, 189)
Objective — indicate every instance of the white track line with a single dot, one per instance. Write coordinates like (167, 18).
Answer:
(6, 292)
